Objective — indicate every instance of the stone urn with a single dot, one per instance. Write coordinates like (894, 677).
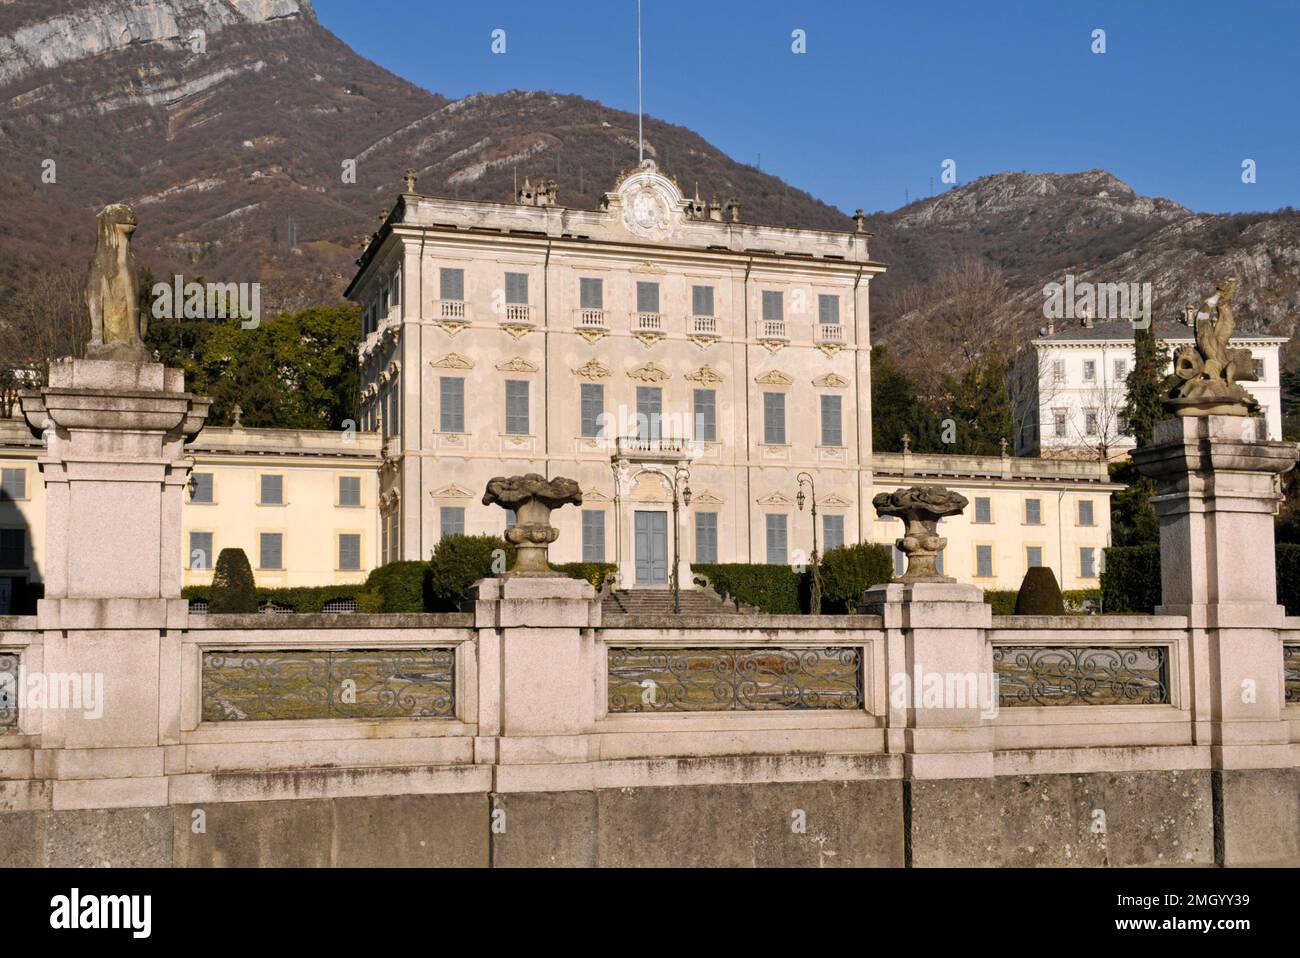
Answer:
(921, 508)
(532, 497)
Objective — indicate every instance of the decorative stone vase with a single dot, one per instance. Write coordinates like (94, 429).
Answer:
(532, 497)
(921, 508)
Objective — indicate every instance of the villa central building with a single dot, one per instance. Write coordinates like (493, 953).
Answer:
(658, 339)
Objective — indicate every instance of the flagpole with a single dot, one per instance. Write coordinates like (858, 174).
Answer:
(640, 134)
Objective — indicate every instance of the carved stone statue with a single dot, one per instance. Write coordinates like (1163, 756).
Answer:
(113, 290)
(1211, 371)
(532, 497)
(921, 508)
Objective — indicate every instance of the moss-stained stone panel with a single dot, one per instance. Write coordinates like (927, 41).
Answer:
(310, 684)
(721, 679)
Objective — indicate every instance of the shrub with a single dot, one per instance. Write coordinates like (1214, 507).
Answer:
(232, 584)
(1288, 577)
(298, 598)
(1002, 600)
(396, 587)
(769, 588)
(1039, 594)
(849, 571)
(593, 572)
(458, 562)
(1081, 601)
(1131, 580)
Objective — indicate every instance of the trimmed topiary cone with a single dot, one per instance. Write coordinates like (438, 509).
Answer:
(1039, 594)
(232, 584)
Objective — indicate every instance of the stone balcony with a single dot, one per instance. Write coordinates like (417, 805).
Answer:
(829, 334)
(773, 331)
(657, 449)
(647, 322)
(590, 319)
(704, 327)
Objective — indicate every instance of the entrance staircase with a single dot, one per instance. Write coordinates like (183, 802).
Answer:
(659, 602)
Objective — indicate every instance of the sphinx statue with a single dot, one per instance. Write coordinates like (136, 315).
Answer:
(1211, 371)
(113, 290)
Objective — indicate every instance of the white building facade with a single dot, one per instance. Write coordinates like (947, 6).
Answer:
(1068, 387)
(646, 343)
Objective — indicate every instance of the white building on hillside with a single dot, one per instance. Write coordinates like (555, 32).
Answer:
(1068, 387)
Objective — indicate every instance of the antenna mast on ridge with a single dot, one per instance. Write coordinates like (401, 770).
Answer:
(640, 135)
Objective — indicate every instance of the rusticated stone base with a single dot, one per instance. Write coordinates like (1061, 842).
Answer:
(1096, 819)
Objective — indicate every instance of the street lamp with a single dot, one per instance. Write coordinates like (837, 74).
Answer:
(816, 564)
(683, 474)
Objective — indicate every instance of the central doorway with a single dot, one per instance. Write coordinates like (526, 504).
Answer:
(651, 548)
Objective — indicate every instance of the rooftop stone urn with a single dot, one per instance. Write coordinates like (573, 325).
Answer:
(532, 497)
(921, 508)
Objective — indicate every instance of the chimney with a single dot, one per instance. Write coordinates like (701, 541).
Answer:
(733, 207)
(715, 210)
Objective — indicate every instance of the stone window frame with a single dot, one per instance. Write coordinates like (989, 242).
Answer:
(338, 490)
(189, 550)
(1024, 514)
(283, 534)
(1092, 513)
(284, 488)
(215, 500)
(974, 512)
(1042, 553)
(27, 482)
(784, 393)
(1096, 562)
(25, 546)
(993, 560)
(338, 549)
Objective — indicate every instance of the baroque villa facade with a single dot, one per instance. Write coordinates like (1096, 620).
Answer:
(649, 340)
(656, 339)
(1068, 388)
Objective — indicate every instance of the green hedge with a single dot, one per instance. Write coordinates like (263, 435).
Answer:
(593, 572)
(1004, 600)
(775, 589)
(1130, 581)
(849, 571)
(1288, 576)
(299, 598)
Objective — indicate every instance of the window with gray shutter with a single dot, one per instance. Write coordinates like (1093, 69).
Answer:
(1085, 512)
(649, 411)
(591, 293)
(706, 537)
(13, 546)
(1033, 556)
(702, 301)
(270, 550)
(517, 407)
(776, 539)
(272, 491)
(200, 550)
(828, 309)
(517, 289)
(706, 415)
(1087, 563)
(1033, 512)
(593, 535)
(397, 288)
(593, 407)
(13, 484)
(451, 521)
(983, 510)
(201, 487)
(773, 305)
(451, 284)
(774, 419)
(647, 297)
(832, 532)
(451, 404)
(832, 427)
(349, 490)
(984, 562)
(349, 552)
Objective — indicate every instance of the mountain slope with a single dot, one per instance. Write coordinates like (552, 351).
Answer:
(232, 153)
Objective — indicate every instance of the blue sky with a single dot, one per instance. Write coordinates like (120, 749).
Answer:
(886, 91)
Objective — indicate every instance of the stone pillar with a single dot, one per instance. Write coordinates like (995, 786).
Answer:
(1216, 498)
(537, 700)
(114, 472)
(936, 647)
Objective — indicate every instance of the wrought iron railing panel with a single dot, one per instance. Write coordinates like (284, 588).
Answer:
(308, 684)
(8, 691)
(1291, 672)
(1078, 675)
(719, 680)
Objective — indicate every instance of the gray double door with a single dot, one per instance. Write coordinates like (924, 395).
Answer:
(651, 548)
